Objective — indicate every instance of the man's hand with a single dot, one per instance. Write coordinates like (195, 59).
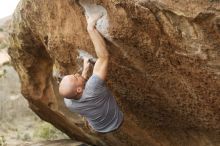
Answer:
(86, 63)
(92, 20)
(86, 66)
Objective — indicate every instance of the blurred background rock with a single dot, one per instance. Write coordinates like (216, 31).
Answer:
(18, 124)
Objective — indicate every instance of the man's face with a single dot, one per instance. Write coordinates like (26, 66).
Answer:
(78, 79)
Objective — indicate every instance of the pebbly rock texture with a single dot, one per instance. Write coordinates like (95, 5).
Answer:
(164, 68)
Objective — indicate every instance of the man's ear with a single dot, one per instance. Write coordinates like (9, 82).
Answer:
(79, 90)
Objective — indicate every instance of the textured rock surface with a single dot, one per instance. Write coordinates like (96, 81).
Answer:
(62, 142)
(164, 69)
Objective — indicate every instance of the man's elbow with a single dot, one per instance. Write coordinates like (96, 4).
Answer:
(104, 57)
(104, 60)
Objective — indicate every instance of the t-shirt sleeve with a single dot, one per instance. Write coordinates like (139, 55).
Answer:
(95, 85)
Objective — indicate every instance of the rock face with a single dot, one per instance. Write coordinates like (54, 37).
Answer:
(164, 68)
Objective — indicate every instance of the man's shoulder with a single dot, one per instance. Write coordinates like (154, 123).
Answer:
(94, 82)
(95, 76)
(95, 86)
(95, 79)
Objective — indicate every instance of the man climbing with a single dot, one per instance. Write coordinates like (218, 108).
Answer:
(92, 99)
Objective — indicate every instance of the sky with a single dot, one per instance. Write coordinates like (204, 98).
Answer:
(7, 7)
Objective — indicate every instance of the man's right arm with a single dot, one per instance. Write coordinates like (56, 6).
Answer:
(101, 64)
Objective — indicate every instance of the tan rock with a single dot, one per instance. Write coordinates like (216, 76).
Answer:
(164, 69)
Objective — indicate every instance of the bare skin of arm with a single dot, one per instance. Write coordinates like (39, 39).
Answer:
(86, 66)
(101, 64)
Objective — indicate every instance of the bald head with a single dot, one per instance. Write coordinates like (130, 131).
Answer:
(68, 86)
(71, 86)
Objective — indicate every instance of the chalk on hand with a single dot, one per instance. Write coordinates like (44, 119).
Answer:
(102, 23)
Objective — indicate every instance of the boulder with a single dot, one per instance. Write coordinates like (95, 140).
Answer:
(164, 69)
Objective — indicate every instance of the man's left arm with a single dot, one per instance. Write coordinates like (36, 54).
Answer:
(86, 66)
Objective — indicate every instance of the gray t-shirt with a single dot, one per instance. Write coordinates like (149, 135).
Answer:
(98, 105)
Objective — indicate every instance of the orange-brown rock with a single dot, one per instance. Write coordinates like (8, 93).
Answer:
(164, 69)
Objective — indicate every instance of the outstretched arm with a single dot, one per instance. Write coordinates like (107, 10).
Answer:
(86, 66)
(101, 64)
